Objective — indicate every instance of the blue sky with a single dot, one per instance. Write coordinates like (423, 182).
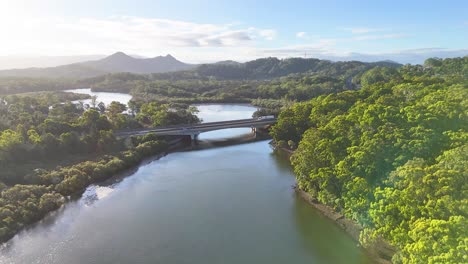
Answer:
(206, 30)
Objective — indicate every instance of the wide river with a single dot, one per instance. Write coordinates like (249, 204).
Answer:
(222, 205)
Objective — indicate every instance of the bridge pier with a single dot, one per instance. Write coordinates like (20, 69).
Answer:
(194, 138)
(254, 131)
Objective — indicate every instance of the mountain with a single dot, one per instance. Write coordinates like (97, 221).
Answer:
(117, 62)
(121, 62)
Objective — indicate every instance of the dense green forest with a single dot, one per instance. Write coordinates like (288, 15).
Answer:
(16, 85)
(40, 127)
(393, 156)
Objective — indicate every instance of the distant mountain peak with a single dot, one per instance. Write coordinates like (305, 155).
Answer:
(121, 62)
(168, 57)
(119, 54)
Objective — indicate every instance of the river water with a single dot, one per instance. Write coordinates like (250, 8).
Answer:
(104, 97)
(222, 205)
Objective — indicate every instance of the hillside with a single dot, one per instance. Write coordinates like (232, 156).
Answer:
(269, 68)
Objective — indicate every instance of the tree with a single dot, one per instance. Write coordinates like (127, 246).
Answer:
(70, 142)
(392, 156)
(291, 144)
(114, 113)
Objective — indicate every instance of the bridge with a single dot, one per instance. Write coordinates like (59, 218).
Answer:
(195, 129)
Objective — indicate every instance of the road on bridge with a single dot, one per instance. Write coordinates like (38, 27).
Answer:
(196, 129)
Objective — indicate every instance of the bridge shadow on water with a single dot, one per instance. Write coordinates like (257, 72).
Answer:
(186, 144)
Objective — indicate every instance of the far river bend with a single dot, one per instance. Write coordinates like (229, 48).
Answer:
(223, 205)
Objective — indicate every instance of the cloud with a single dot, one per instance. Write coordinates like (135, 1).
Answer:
(188, 41)
(168, 32)
(268, 34)
(301, 34)
(362, 30)
(321, 47)
(131, 34)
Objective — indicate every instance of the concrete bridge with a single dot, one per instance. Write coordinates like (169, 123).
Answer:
(195, 129)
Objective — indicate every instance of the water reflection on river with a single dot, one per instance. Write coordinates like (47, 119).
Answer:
(224, 205)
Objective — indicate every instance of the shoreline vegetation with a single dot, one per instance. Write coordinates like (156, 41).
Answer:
(57, 185)
(391, 156)
(381, 252)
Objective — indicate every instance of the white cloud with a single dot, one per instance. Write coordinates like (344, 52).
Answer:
(301, 34)
(146, 36)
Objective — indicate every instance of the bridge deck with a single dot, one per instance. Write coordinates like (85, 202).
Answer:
(195, 129)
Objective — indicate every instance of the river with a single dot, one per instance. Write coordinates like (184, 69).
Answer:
(104, 97)
(222, 205)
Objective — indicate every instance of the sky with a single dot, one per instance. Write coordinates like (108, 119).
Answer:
(213, 30)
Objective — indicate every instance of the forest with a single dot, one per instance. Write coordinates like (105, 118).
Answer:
(392, 156)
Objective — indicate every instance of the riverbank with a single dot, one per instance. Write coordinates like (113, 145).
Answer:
(23, 205)
(381, 252)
